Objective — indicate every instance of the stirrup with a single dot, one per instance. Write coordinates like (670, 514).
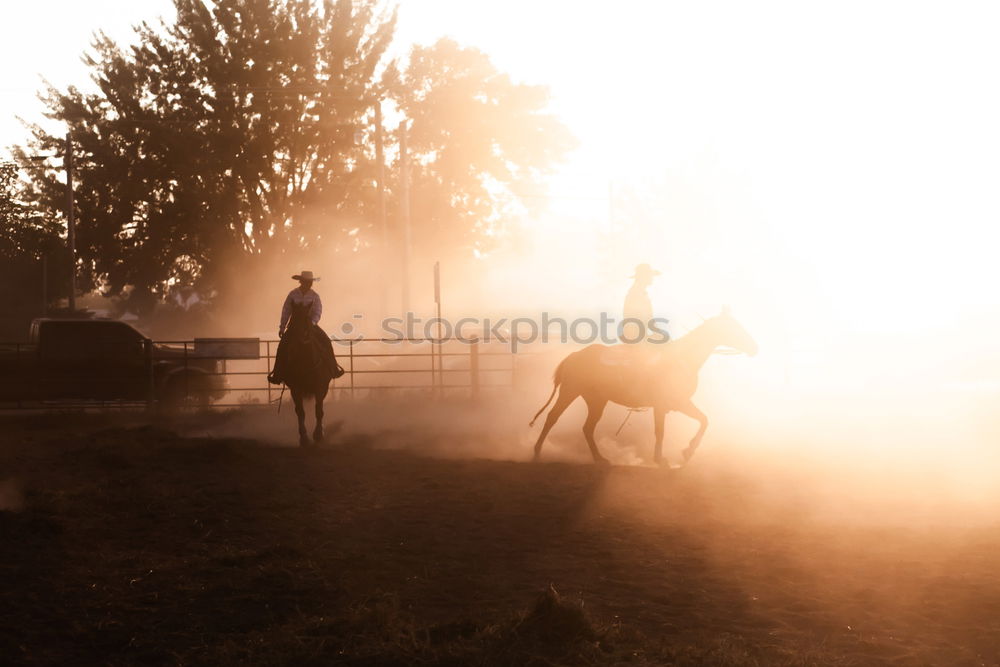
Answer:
(274, 380)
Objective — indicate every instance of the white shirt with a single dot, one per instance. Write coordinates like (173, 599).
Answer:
(299, 297)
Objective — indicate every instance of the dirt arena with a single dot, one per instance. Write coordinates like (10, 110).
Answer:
(130, 540)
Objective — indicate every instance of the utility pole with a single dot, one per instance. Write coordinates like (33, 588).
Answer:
(380, 158)
(384, 254)
(404, 210)
(437, 301)
(45, 285)
(71, 222)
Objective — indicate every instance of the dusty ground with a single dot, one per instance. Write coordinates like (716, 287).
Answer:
(123, 542)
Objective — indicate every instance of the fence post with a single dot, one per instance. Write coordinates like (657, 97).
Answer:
(350, 354)
(474, 367)
(435, 386)
(513, 369)
(267, 354)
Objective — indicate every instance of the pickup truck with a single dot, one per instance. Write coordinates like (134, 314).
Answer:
(105, 360)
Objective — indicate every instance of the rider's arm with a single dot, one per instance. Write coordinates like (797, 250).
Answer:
(317, 310)
(286, 312)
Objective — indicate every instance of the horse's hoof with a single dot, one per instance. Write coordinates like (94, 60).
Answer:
(304, 441)
(601, 461)
(687, 453)
(317, 438)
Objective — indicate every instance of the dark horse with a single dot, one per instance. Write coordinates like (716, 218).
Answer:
(307, 373)
(600, 374)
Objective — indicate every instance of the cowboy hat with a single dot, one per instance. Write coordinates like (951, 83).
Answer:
(645, 270)
(305, 275)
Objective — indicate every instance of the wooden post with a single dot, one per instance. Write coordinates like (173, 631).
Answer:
(474, 368)
(45, 285)
(404, 212)
(383, 225)
(267, 350)
(70, 222)
(350, 354)
(437, 301)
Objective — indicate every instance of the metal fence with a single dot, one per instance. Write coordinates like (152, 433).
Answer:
(206, 372)
(445, 366)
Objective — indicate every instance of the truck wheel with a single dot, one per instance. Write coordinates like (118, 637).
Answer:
(185, 392)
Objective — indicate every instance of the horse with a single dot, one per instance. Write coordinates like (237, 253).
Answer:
(664, 380)
(306, 373)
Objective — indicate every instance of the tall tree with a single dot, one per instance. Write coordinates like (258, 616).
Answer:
(34, 263)
(478, 142)
(229, 135)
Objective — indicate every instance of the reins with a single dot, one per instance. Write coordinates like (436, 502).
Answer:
(627, 415)
(281, 396)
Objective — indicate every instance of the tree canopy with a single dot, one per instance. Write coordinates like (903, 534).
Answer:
(244, 129)
(29, 241)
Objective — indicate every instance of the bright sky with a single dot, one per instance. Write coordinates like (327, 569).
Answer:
(838, 160)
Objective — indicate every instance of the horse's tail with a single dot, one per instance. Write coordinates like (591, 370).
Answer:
(556, 381)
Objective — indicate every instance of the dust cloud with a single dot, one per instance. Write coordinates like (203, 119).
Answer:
(845, 413)
(910, 456)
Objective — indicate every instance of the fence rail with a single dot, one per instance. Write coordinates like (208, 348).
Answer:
(128, 375)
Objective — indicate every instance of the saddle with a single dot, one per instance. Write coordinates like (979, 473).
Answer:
(629, 356)
(617, 355)
(632, 365)
(321, 349)
(324, 350)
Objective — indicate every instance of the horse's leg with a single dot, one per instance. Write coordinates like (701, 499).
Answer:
(562, 402)
(659, 416)
(318, 433)
(595, 408)
(300, 412)
(688, 408)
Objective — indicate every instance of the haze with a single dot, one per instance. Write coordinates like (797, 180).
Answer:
(827, 170)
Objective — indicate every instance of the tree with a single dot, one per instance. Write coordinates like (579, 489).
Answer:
(227, 138)
(477, 141)
(26, 240)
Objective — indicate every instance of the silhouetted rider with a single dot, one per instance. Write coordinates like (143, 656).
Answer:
(303, 295)
(638, 306)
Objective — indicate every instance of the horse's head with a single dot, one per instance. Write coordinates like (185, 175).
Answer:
(730, 333)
